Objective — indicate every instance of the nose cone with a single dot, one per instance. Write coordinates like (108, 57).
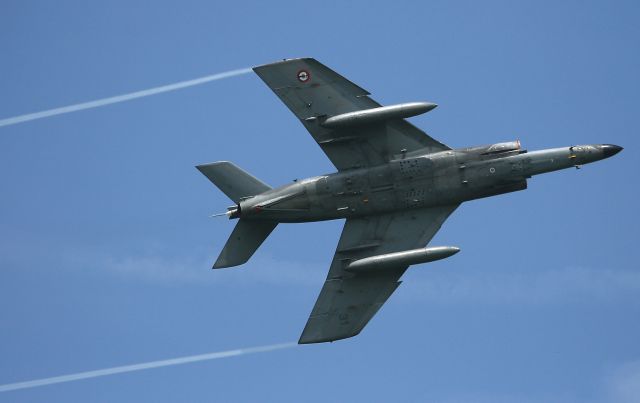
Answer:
(609, 150)
(430, 106)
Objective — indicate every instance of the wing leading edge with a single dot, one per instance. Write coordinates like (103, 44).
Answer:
(348, 301)
(314, 93)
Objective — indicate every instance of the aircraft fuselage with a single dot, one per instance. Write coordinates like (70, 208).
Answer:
(416, 180)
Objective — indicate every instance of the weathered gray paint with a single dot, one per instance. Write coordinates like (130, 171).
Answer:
(421, 181)
(395, 186)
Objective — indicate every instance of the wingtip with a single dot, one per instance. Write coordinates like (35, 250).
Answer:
(293, 59)
(223, 262)
(222, 265)
(308, 338)
(200, 167)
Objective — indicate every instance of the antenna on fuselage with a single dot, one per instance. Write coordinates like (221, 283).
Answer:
(231, 213)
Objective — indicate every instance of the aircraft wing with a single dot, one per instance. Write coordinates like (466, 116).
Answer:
(349, 300)
(313, 92)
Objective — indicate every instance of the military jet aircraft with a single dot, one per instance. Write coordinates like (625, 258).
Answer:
(395, 186)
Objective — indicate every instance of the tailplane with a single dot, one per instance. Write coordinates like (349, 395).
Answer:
(245, 239)
(248, 235)
(232, 180)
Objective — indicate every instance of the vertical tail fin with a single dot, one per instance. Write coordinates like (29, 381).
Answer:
(232, 180)
(245, 239)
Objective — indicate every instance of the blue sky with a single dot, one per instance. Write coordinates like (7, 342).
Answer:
(106, 248)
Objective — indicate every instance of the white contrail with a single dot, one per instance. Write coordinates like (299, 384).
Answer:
(121, 98)
(142, 366)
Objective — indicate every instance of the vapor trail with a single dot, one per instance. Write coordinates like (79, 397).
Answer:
(142, 366)
(121, 98)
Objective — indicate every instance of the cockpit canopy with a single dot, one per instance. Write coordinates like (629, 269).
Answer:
(497, 150)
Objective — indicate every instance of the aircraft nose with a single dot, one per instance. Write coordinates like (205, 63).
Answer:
(609, 150)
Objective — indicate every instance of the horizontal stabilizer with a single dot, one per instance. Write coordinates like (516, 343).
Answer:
(232, 180)
(245, 239)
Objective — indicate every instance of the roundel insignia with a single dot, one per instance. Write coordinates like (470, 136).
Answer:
(303, 76)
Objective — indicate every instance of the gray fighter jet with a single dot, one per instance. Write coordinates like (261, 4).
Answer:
(395, 186)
